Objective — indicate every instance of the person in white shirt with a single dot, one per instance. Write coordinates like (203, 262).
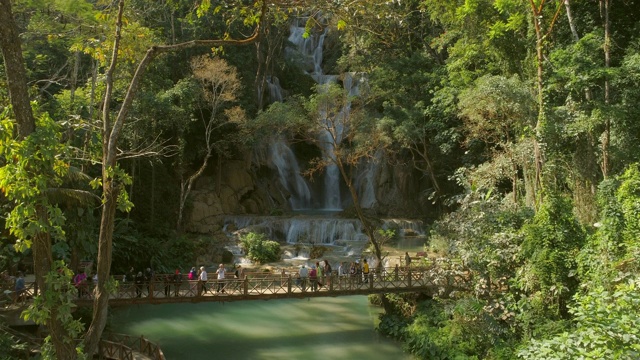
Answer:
(202, 281)
(304, 276)
(221, 270)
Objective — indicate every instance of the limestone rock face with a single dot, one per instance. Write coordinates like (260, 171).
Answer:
(250, 188)
(240, 192)
(398, 190)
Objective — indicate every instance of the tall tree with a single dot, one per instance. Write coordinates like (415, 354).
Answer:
(113, 179)
(111, 184)
(605, 6)
(15, 71)
(498, 111)
(543, 20)
(41, 240)
(220, 85)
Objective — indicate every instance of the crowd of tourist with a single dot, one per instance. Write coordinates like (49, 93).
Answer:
(145, 282)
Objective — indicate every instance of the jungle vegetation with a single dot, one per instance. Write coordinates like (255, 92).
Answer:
(522, 116)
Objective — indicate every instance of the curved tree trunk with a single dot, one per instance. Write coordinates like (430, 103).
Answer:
(111, 186)
(109, 199)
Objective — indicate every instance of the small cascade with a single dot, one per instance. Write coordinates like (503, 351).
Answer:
(275, 90)
(283, 158)
(312, 230)
(300, 234)
(406, 227)
(324, 230)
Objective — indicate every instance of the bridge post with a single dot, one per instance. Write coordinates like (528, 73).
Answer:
(409, 279)
(331, 282)
(289, 284)
(245, 285)
(370, 275)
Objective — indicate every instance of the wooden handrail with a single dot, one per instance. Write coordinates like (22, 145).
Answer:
(262, 285)
(123, 346)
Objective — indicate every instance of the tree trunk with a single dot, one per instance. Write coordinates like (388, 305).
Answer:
(105, 240)
(110, 198)
(15, 71)
(605, 6)
(42, 265)
(19, 96)
(514, 180)
(186, 186)
(366, 224)
(572, 25)
(541, 125)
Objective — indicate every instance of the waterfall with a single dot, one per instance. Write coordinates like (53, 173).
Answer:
(365, 184)
(405, 227)
(283, 158)
(303, 229)
(275, 91)
(367, 169)
(310, 51)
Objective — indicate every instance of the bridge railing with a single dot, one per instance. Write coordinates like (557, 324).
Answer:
(9, 294)
(120, 346)
(265, 284)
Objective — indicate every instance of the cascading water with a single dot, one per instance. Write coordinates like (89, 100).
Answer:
(284, 160)
(275, 90)
(310, 50)
(301, 233)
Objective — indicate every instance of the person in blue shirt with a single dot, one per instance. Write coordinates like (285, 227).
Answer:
(20, 287)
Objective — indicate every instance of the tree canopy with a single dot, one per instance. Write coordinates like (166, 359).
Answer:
(517, 120)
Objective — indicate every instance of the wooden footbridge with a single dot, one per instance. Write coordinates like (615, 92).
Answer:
(164, 289)
(268, 286)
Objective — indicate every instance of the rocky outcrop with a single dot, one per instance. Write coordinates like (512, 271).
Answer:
(250, 188)
(240, 192)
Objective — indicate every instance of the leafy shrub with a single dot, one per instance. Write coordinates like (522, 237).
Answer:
(163, 253)
(550, 249)
(258, 248)
(10, 349)
(608, 327)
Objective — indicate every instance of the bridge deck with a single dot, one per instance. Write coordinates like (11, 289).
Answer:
(264, 286)
(275, 286)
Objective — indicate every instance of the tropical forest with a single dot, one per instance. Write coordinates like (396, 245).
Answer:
(503, 135)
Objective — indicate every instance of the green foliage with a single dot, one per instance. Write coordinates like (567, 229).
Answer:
(552, 243)
(458, 329)
(57, 299)
(258, 248)
(497, 109)
(10, 348)
(139, 249)
(628, 196)
(614, 246)
(607, 327)
(483, 233)
(33, 166)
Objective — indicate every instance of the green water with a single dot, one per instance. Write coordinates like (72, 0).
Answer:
(319, 328)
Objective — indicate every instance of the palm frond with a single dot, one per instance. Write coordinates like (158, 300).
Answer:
(72, 197)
